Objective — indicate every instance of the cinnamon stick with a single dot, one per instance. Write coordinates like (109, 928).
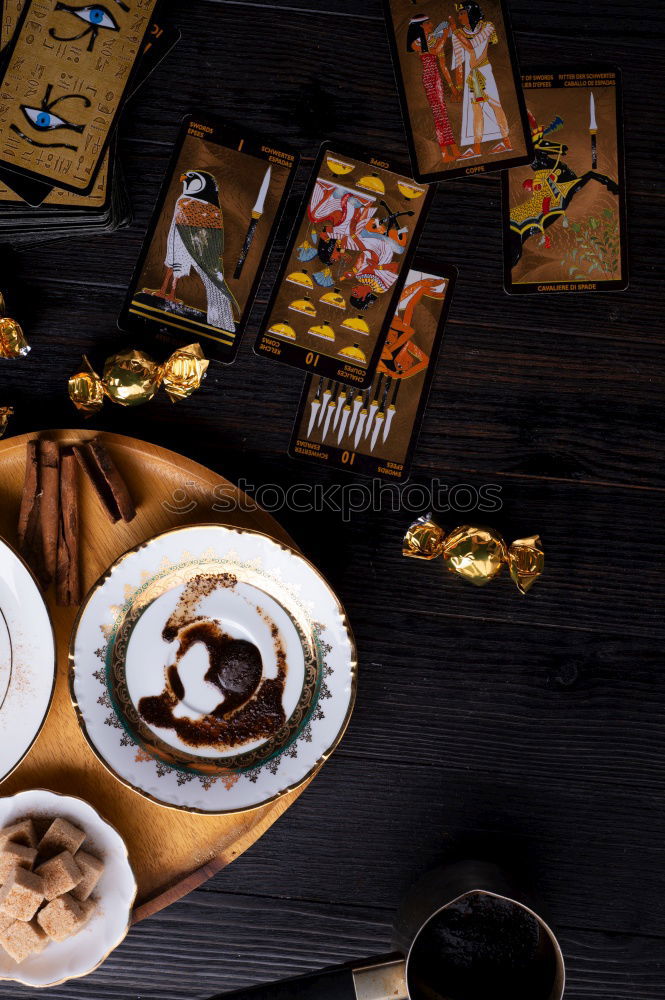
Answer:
(68, 581)
(49, 508)
(29, 521)
(30, 495)
(111, 488)
(98, 484)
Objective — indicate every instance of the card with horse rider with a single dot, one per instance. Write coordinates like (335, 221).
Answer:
(564, 216)
(210, 236)
(342, 275)
(374, 431)
(65, 76)
(459, 85)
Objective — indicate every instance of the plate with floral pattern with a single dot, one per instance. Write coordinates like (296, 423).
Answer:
(27, 660)
(213, 669)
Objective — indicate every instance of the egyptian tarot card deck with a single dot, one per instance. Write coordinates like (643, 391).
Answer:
(17, 188)
(459, 85)
(342, 275)
(564, 219)
(210, 236)
(374, 431)
(65, 76)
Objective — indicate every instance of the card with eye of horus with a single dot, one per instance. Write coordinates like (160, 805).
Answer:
(373, 432)
(349, 253)
(15, 188)
(210, 236)
(66, 73)
(564, 216)
(459, 85)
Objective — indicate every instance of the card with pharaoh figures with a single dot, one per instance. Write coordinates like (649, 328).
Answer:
(459, 85)
(564, 215)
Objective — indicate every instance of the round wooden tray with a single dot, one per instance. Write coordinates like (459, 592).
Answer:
(171, 852)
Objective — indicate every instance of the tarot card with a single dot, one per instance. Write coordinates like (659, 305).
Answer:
(374, 431)
(159, 41)
(564, 216)
(459, 86)
(17, 187)
(65, 76)
(210, 235)
(357, 231)
(10, 13)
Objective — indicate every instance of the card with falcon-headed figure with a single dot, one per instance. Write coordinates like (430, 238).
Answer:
(210, 235)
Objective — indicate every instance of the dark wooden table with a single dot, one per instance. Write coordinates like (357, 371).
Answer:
(530, 730)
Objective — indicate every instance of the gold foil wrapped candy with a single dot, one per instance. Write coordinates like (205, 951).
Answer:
(12, 339)
(131, 378)
(5, 413)
(476, 553)
(526, 560)
(424, 540)
(183, 372)
(86, 390)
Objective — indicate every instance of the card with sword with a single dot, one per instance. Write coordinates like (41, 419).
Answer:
(564, 215)
(207, 245)
(374, 431)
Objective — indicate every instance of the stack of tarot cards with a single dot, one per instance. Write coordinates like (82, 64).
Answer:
(66, 72)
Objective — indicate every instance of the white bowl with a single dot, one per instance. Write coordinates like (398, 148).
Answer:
(115, 894)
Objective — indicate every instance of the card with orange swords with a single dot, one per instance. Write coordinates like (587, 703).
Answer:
(373, 431)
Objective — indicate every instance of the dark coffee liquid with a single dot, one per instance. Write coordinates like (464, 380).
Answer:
(482, 948)
(251, 706)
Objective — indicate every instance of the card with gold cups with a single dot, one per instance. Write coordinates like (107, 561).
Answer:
(348, 258)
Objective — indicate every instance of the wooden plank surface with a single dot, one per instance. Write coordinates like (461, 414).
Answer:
(182, 850)
(528, 730)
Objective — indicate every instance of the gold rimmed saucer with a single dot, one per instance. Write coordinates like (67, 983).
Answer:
(310, 602)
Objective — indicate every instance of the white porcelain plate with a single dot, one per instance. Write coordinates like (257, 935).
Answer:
(27, 660)
(122, 653)
(115, 893)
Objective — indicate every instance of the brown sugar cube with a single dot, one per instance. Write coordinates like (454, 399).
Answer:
(92, 869)
(89, 907)
(19, 833)
(60, 836)
(22, 939)
(22, 894)
(14, 856)
(62, 918)
(60, 874)
(6, 920)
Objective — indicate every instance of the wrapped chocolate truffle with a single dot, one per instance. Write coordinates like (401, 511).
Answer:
(183, 372)
(132, 378)
(86, 390)
(12, 339)
(526, 561)
(5, 413)
(478, 554)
